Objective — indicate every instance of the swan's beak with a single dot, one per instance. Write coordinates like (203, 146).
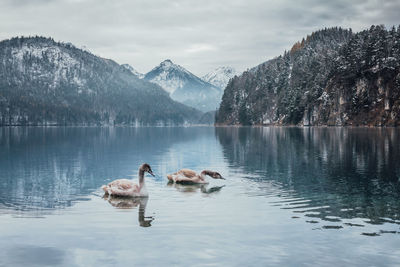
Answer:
(151, 172)
(222, 178)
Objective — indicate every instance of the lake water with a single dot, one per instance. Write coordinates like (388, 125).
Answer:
(292, 197)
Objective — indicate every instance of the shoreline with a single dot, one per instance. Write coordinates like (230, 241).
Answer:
(198, 125)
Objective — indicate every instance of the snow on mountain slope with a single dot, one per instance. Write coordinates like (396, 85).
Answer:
(133, 70)
(184, 86)
(171, 76)
(47, 82)
(220, 76)
(52, 54)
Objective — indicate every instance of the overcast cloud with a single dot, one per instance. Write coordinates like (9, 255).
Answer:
(199, 35)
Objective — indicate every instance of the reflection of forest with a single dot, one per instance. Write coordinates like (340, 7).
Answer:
(327, 173)
(49, 167)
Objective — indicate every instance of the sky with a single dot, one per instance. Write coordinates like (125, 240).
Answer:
(198, 35)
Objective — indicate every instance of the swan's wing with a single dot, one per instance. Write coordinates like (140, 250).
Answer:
(183, 179)
(187, 173)
(182, 173)
(123, 187)
(122, 184)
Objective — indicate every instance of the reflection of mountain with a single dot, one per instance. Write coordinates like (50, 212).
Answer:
(326, 173)
(47, 168)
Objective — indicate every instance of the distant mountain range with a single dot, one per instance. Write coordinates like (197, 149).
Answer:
(43, 82)
(185, 87)
(332, 77)
(133, 70)
(220, 76)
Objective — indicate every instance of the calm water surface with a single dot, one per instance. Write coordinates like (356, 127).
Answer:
(292, 197)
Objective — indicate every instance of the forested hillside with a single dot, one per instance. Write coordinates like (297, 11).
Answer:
(332, 77)
(43, 82)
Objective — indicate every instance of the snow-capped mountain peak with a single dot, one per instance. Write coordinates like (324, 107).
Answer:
(168, 67)
(184, 86)
(166, 63)
(171, 76)
(133, 70)
(220, 76)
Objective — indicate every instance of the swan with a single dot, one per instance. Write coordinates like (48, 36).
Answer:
(126, 188)
(190, 176)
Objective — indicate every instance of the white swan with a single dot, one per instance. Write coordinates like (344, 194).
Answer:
(127, 188)
(189, 176)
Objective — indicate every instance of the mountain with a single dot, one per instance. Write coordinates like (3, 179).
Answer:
(333, 77)
(185, 87)
(133, 70)
(220, 76)
(45, 82)
(208, 118)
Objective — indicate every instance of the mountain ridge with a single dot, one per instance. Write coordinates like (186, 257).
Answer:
(43, 82)
(185, 87)
(220, 76)
(133, 70)
(332, 77)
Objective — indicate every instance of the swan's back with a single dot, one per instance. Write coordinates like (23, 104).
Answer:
(124, 188)
(185, 176)
(184, 173)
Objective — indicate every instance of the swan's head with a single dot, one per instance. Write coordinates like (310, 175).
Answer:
(216, 175)
(212, 174)
(146, 168)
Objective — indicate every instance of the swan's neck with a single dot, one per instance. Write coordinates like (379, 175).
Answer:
(206, 172)
(141, 179)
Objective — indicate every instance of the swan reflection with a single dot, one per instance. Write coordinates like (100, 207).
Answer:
(131, 203)
(193, 188)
